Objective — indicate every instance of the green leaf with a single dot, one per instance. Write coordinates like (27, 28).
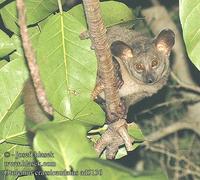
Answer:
(120, 13)
(18, 46)
(34, 33)
(1, 1)
(32, 177)
(58, 59)
(2, 63)
(39, 10)
(12, 130)
(6, 44)
(135, 131)
(107, 170)
(68, 143)
(9, 16)
(42, 23)
(68, 69)
(121, 152)
(36, 11)
(9, 160)
(62, 55)
(12, 78)
(189, 16)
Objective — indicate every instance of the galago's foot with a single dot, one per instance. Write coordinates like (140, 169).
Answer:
(115, 136)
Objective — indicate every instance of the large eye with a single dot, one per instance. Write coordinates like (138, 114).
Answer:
(154, 63)
(139, 67)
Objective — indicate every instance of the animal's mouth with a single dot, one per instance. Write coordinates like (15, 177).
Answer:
(150, 78)
(150, 83)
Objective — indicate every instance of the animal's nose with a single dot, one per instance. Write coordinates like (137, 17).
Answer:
(150, 79)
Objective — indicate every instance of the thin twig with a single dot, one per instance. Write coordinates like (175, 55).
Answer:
(175, 127)
(175, 142)
(191, 144)
(60, 6)
(189, 87)
(169, 103)
(194, 169)
(31, 59)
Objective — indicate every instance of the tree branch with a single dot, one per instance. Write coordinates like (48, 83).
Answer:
(189, 168)
(160, 134)
(189, 87)
(31, 60)
(99, 40)
(117, 133)
(170, 103)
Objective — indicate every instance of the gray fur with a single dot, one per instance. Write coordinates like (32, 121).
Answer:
(136, 85)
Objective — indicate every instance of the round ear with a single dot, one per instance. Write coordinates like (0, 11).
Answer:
(121, 50)
(165, 41)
